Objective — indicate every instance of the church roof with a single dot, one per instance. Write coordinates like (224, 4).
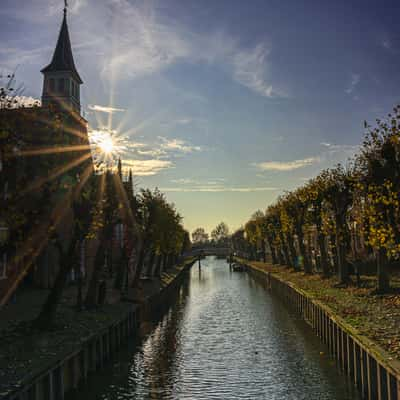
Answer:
(63, 59)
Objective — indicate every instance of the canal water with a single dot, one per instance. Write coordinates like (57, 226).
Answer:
(223, 337)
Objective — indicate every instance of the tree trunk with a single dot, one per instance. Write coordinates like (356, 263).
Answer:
(303, 252)
(280, 256)
(48, 312)
(273, 255)
(332, 241)
(150, 264)
(122, 267)
(139, 265)
(79, 295)
(254, 252)
(109, 257)
(163, 263)
(273, 250)
(343, 272)
(170, 261)
(292, 251)
(285, 251)
(324, 258)
(93, 290)
(382, 271)
(263, 250)
(157, 271)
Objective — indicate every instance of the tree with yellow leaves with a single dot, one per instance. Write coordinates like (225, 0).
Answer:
(380, 183)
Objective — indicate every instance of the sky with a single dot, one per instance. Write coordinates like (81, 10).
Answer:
(223, 105)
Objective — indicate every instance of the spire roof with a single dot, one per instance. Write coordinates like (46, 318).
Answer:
(63, 59)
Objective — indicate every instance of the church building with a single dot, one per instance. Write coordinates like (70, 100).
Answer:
(33, 181)
(61, 83)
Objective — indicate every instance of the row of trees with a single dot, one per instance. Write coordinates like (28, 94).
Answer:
(152, 239)
(51, 198)
(346, 216)
(219, 236)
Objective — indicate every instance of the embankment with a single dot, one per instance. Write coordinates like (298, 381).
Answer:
(371, 368)
(47, 367)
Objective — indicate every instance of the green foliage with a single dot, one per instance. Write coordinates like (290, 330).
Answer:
(220, 234)
(199, 235)
(160, 223)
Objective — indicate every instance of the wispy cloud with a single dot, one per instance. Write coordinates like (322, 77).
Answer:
(184, 121)
(338, 152)
(390, 43)
(286, 165)
(250, 69)
(184, 181)
(152, 153)
(355, 80)
(340, 147)
(104, 109)
(73, 6)
(199, 183)
(142, 40)
(177, 145)
(219, 189)
(387, 44)
(329, 155)
(12, 57)
(148, 167)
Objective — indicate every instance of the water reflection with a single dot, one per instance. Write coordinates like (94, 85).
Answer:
(223, 337)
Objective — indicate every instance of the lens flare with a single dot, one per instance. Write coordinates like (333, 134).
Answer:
(107, 146)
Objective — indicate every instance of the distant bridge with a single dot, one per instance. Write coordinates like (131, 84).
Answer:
(209, 251)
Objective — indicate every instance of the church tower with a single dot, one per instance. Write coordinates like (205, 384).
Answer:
(61, 83)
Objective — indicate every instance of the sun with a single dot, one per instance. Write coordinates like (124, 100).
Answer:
(106, 145)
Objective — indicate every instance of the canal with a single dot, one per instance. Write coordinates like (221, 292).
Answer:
(223, 337)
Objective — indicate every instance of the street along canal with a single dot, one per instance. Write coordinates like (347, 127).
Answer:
(222, 337)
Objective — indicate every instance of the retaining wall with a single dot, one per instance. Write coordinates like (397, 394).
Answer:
(370, 368)
(72, 371)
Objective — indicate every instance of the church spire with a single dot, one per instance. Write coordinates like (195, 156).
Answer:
(119, 167)
(130, 179)
(61, 78)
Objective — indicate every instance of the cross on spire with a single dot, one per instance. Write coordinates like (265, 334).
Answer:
(61, 79)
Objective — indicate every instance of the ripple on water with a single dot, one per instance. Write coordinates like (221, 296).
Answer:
(225, 338)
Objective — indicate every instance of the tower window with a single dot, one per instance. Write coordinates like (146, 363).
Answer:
(61, 85)
(51, 84)
(67, 86)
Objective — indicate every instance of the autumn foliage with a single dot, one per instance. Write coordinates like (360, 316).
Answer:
(340, 220)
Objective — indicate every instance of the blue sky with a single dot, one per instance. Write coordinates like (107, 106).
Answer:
(221, 104)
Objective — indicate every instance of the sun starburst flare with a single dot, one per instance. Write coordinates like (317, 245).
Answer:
(107, 146)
